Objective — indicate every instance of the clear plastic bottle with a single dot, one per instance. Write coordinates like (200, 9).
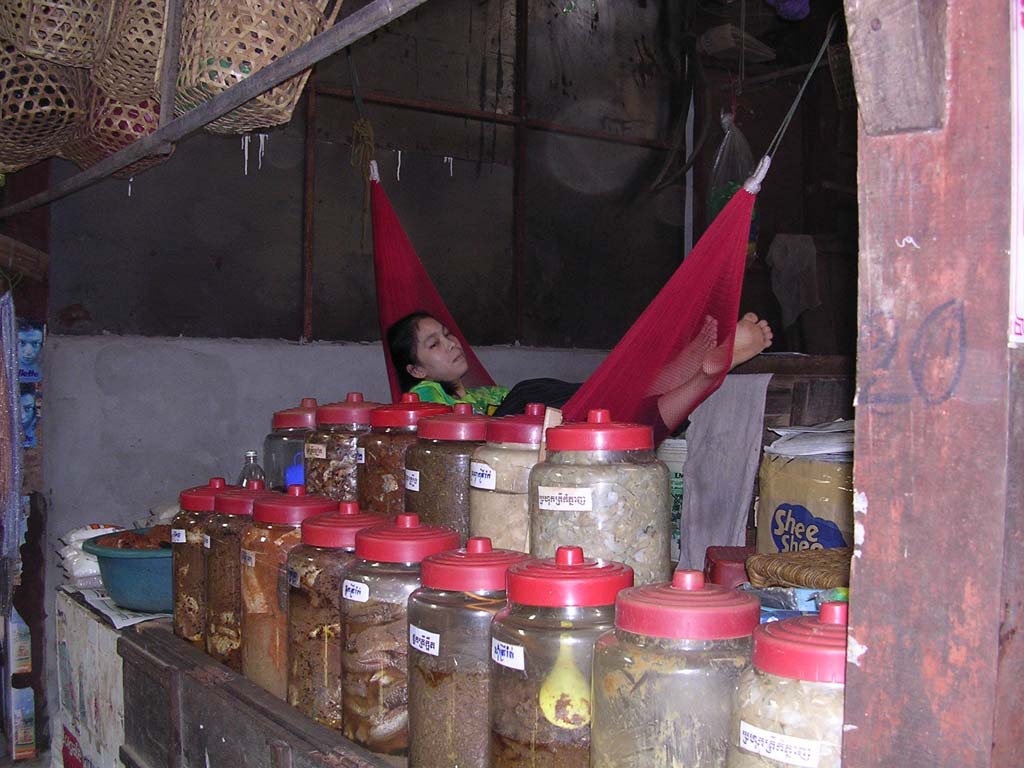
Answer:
(251, 470)
(282, 447)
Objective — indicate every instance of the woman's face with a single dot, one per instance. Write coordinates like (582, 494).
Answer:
(439, 355)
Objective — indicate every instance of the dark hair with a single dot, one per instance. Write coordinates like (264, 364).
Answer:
(402, 344)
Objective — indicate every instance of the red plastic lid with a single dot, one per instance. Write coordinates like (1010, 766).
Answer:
(567, 579)
(404, 541)
(290, 508)
(406, 413)
(526, 428)
(338, 529)
(805, 648)
(239, 501)
(600, 433)
(308, 402)
(303, 417)
(200, 498)
(463, 424)
(475, 568)
(352, 410)
(687, 609)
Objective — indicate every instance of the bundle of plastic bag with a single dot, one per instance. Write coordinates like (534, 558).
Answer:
(733, 165)
(81, 569)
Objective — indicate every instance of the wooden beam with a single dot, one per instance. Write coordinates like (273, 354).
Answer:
(169, 64)
(23, 259)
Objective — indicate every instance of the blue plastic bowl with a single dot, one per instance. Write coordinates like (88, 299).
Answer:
(137, 579)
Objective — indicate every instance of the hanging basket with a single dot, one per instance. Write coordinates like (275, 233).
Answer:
(42, 105)
(128, 67)
(68, 32)
(810, 568)
(225, 41)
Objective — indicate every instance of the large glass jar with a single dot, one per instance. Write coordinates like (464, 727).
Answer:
(789, 708)
(374, 608)
(449, 657)
(223, 543)
(332, 455)
(665, 677)
(314, 610)
(283, 446)
(602, 484)
(189, 579)
(381, 474)
(542, 646)
(499, 479)
(275, 531)
(437, 468)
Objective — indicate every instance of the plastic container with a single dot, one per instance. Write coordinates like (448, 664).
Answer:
(542, 646)
(275, 531)
(790, 703)
(284, 444)
(374, 606)
(499, 493)
(136, 579)
(665, 678)
(332, 455)
(602, 485)
(673, 452)
(314, 610)
(381, 473)
(437, 468)
(449, 657)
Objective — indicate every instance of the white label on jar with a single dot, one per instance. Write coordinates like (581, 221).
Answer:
(248, 558)
(206, 541)
(177, 535)
(779, 747)
(412, 480)
(424, 641)
(360, 455)
(355, 590)
(316, 451)
(507, 655)
(293, 578)
(565, 499)
(481, 475)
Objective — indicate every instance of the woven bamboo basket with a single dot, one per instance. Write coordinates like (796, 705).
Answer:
(811, 569)
(128, 67)
(225, 41)
(42, 105)
(68, 32)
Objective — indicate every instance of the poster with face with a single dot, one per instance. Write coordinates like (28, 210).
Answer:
(30, 351)
(29, 411)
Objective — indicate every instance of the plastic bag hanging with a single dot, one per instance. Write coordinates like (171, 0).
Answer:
(732, 167)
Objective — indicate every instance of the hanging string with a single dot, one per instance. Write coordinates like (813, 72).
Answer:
(743, 47)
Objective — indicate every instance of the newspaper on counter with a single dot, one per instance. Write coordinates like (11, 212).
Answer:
(119, 617)
(834, 437)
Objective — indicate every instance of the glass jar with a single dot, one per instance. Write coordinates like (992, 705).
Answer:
(281, 448)
(437, 468)
(275, 531)
(223, 544)
(789, 708)
(332, 455)
(314, 610)
(374, 607)
(602, 484)
(381, 475)
(499, 479)
(189, 581)
(665, 677)
(449, 657)
(542, 646)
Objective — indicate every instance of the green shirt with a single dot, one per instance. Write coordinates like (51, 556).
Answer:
(485, 400)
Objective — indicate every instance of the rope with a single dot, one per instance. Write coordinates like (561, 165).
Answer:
(363, 150)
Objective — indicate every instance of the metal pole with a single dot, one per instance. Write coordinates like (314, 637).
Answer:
(308, 211)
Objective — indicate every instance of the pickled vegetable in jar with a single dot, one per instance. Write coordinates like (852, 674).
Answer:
(437, 468)
(542, 647)
(314, 610)
(602, 484)
(381, 475)
(449, 654)
(275, 531)
(331, 454)
(789, 708)
(665, 678)
(283, 446)
(374, 608)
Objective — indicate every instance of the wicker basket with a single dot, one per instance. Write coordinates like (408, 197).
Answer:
(128, 67)
(68, 32)
(811, 568)
(225, 41)
(42, 105)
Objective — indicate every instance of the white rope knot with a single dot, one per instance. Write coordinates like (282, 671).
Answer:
(753, 184)
(374, 173)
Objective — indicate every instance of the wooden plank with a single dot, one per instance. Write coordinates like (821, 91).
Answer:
(23, 259)
(169, 64)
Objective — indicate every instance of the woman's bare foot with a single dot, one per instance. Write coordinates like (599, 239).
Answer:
(753, 336)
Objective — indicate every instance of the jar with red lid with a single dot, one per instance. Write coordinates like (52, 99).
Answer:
(603, 485)
(789, 707)
(542, 646)
(331, 453)
(499, 479)
(449, 654)
(314, 610)
(381, 472)
(282, 447)
(437, 468)
(374, 618)
(232, 515)
(275, 531)
(189, 578)
(665, 678)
